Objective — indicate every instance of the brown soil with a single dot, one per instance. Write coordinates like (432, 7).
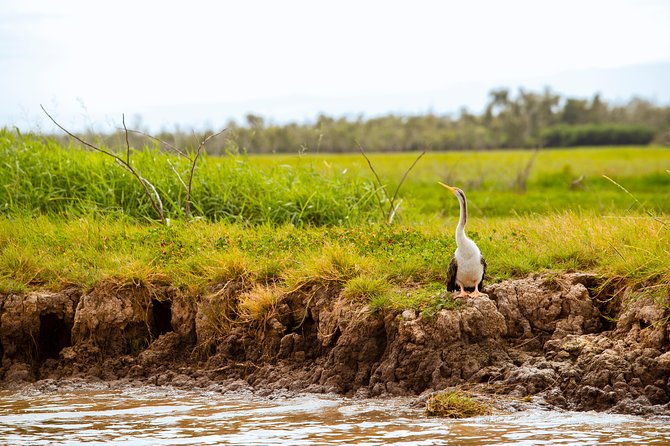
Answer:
(553, 337)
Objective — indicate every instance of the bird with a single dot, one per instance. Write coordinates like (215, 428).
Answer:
(468, 267)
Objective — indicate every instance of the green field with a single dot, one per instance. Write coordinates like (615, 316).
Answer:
(492, 178)
(281, 223)
(41, 177)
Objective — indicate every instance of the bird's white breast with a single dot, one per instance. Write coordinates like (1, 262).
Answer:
(470, 268)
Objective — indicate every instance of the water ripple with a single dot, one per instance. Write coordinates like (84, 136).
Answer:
(159, 416)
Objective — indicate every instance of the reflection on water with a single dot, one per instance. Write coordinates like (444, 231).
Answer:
(151, 416)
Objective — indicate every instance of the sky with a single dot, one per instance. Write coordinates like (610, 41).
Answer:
(201, 63)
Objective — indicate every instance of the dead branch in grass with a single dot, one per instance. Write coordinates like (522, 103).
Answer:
(192, 157)
(393, 207)
(647, 211)
(149, 188)
(523, 174)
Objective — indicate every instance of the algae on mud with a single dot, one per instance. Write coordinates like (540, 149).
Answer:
(455, 404)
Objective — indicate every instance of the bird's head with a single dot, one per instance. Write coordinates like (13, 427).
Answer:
(454, 190)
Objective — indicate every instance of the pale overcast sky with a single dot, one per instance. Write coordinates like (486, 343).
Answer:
(199, 63)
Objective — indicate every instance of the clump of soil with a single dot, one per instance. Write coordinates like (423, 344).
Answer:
(560, 338)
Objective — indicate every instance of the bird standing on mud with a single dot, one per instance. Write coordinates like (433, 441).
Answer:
(468, 267)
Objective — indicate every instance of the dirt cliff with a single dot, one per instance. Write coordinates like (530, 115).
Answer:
(562, 338)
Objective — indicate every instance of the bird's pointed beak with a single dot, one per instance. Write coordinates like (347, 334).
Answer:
(452, 189)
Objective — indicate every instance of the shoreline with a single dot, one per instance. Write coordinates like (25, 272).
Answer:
(563, 340)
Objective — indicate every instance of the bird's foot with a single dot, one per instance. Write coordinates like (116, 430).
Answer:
(477, 293)
(462, 294)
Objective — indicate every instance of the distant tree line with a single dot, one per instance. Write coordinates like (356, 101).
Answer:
(523, 120)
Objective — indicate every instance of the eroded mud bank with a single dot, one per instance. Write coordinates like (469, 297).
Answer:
(554, 337)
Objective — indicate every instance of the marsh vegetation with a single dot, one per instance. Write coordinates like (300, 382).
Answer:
(282, 222)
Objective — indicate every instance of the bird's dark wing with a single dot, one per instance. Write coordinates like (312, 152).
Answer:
(481, 282)
(451, 275)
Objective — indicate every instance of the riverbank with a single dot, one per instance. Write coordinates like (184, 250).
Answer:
(575, 341)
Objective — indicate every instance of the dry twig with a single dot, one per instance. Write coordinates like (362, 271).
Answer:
(149, 189)
(392, 205)
(192, 157)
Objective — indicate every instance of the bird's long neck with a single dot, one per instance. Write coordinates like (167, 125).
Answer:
(460, 229)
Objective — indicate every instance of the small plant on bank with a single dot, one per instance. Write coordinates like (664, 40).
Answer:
(257, 304)
(444, 301)
(362, 288)
(455, 404)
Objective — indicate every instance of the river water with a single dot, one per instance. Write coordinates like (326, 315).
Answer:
(160, 416)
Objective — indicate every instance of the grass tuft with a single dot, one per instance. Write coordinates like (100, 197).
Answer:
(258, 304)
(455, 404)
(366, 289)
(23, 266)
(334, 265)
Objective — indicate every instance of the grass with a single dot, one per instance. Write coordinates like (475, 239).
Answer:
(455, 404)
(283, 223)
(489, 178)
(395, 267)
(40, 177)
(257, 304)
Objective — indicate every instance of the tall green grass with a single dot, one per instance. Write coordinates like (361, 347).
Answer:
(40, 177)
(490, 179)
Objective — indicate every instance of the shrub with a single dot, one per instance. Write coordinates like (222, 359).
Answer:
(596, 135)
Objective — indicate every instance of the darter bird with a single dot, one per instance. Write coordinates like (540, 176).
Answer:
(467, 268)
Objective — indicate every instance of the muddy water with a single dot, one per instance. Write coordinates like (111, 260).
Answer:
(151, 416)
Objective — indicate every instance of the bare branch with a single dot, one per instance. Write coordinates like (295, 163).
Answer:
(160, 141)
(72, 135)
(195, 138)
(402, 180)
(379, 181)
(393, 207)
(194, 162)
(213, 135)
(158, 197)
(125, 130)
(192, 158)
(178, 175)
(394, 212)
(154, 198)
